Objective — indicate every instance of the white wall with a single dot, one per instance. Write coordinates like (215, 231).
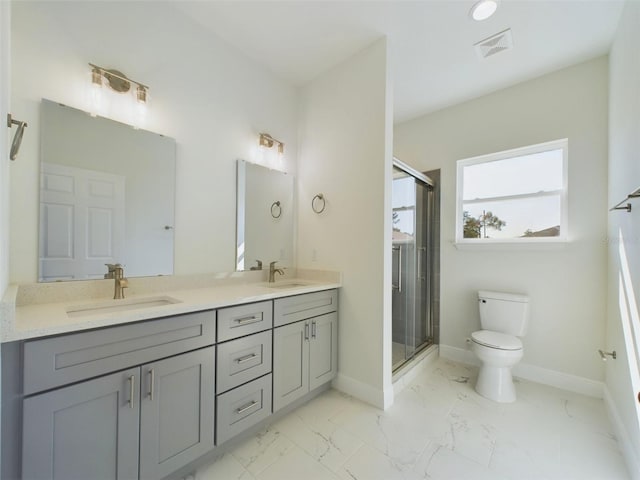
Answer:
(345, 139)
(5, 89)
(623, 383)
(566, 285)
(204, 93)
(5, 55)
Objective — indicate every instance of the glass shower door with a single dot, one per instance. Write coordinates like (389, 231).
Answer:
(411, 325)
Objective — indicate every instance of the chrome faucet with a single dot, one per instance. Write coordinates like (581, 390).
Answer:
(116, 271)
(273, 270)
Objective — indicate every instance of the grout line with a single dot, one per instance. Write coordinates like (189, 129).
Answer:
(346, 460)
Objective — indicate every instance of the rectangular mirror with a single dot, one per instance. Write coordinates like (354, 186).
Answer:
(264, 230)
(107, 195)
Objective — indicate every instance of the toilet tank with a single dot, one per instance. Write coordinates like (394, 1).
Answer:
(504, 312)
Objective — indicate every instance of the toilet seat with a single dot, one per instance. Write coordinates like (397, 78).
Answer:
(499, 341)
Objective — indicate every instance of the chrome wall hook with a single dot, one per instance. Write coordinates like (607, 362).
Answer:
(17, 139)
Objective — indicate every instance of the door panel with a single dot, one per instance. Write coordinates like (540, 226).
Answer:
(81, 222)
(323, 350)
(290, 363)
(88, 430)
(177, 412)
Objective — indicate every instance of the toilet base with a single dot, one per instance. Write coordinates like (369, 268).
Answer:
(496, 383)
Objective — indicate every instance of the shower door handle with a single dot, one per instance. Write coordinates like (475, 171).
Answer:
(398, 285)
(421, 270)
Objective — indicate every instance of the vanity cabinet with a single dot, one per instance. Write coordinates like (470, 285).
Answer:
(145, 399)
(305, 351)
(94, 429)
(148, 420)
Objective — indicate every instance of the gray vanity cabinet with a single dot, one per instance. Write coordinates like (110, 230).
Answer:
(140, 401)
(90, 430)
(176, 412)
(87, 430)
(305, 351)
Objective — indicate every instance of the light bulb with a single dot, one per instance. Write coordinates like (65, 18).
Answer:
(483, 9)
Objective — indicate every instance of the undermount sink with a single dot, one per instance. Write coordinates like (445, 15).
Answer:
(111, 306)
(287, 284)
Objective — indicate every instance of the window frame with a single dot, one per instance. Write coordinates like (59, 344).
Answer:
(561, 144)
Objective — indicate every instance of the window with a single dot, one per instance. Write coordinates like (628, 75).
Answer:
(516, 196)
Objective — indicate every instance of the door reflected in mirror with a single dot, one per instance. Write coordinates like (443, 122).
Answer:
(107, 195)
(264, 230)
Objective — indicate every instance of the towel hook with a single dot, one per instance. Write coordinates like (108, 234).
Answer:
(320, 198)
(604, 355)
(278, 209)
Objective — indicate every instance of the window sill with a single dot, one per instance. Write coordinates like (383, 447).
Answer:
(520, 246)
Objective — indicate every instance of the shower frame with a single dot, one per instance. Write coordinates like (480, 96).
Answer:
(421, 324)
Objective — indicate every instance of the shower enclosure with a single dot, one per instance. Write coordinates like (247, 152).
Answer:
(413, 325)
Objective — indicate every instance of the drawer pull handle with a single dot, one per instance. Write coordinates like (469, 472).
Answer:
(132, 390)
(306, 331)
(246, 358)
(243, 320)
(313, 329)
(246, 407)
(151, 382)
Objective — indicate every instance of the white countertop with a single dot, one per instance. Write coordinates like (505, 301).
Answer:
(26, 318)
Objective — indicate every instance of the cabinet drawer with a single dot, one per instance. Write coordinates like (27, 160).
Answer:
(56, 361)
(242, 408)
(242, 360)
(234, 322)
(291, 309)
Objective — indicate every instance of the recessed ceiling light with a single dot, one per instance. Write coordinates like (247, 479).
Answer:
(483, 9)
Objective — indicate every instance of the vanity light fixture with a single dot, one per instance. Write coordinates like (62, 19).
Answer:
(268, 141)
(483, 9)
(117, 81)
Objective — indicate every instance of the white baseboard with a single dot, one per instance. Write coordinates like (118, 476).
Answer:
(624, 442)
(565, 381)
(459, 355)
(363, 391)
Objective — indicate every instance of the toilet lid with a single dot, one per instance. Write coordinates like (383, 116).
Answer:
(501, 341)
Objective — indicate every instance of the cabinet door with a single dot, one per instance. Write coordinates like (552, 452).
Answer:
(290, 363)
(88, 430)
(177, 412)
(323, 349)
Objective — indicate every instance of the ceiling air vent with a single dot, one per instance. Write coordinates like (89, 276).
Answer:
(494, 44)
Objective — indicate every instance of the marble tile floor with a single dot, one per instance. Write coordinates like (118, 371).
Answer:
(438, 428)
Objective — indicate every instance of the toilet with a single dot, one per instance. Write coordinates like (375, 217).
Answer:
(504, 318)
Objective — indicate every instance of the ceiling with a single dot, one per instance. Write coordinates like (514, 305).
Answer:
(434, 63)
